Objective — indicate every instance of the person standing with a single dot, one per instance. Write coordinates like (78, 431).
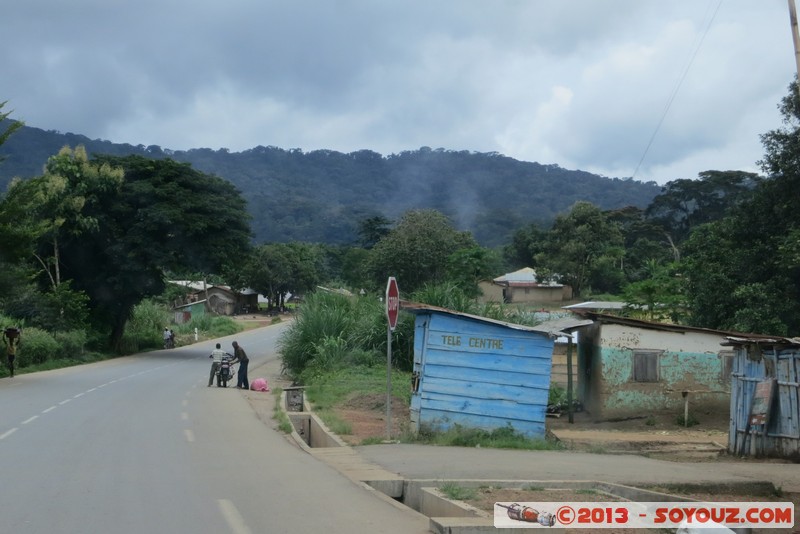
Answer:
(240, 357)
(166, 338)
(11, 337)
(217, 354)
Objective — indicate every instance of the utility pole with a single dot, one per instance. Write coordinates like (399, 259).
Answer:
(795, 35)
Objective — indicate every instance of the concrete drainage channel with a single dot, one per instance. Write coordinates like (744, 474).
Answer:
(446, 516)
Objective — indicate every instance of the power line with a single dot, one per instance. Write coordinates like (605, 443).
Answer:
(677, 88)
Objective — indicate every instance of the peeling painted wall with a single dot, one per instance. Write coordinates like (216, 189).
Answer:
(688, 361)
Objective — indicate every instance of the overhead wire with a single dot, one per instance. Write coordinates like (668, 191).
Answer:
(678, 85)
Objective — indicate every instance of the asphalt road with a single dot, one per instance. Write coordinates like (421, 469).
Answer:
(141, 445)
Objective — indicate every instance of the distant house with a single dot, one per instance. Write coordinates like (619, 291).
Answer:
(218, 299)
(478, 373)
(629, 367)
(522, 286)
(765, 396)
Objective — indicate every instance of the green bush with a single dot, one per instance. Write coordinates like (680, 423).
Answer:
(36, 347)
(72, 344)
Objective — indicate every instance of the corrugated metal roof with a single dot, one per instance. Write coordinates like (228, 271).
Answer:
(554, 328)
(654, 325)
(526, 274)
(763, 340)
(596, 305)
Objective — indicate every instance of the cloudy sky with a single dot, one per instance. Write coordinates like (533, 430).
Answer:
(653, 89)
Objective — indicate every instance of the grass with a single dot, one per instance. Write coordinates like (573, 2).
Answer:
(457, 492)
(499, 438)
(326, 392)
(284, 424)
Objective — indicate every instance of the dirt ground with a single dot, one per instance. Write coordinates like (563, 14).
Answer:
(657, 436)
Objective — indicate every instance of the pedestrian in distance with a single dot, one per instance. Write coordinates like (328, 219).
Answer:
(166, 337)
(240, 357)
(11, 338)
(217, 354)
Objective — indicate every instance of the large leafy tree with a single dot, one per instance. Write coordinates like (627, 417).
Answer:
(276, 269)
(64, 202)
(45, 209)
(417, 249)
(744, 270)
(165, 216)
(585, 247)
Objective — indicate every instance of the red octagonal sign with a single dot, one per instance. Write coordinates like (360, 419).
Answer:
(392, 302)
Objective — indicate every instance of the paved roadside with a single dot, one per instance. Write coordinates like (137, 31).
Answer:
(454, 463)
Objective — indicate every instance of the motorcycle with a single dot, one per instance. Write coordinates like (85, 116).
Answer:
(225, 371)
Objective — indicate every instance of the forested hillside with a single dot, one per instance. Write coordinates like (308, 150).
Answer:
(321, 196)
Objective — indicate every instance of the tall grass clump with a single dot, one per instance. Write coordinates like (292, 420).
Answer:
(145, 326)
(321, 330)
(446, 295)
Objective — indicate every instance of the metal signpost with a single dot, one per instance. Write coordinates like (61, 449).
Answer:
(392, 311)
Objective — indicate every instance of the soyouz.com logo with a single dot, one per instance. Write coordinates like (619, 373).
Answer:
(643, 514)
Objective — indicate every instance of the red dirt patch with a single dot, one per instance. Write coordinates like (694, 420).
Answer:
(366, 415)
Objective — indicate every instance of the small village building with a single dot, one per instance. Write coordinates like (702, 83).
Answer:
(630, 367)
(217, 299)
(475, 372)
(522, 286)
(765, 396)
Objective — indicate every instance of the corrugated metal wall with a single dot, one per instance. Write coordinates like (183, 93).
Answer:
(783, 431)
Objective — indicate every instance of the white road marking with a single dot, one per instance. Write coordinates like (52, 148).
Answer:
(184, 416)
(90, 390)
(233, 517)
(79, 395)
(30, 419)
(184, 403)
(64, 402)
(8, 433)
(189, 435)
(50, 409)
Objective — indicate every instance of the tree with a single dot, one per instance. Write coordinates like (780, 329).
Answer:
(468, 266)
(12, 127)
(373, 229)
(526, 244)
(417, 249)
(743, 270)
(277, 269)
(64, 199)
(661, 294)
(581, 244)
(165, 216)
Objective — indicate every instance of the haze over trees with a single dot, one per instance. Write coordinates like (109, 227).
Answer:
(92, 236)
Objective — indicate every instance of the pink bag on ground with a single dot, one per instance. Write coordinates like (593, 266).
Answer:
(259, 384)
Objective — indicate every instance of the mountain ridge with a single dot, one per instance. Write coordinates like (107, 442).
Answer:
(322, 195)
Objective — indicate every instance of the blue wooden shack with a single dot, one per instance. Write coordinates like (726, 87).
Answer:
(478, 373)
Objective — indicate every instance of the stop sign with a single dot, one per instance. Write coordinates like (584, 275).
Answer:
(392, 302)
